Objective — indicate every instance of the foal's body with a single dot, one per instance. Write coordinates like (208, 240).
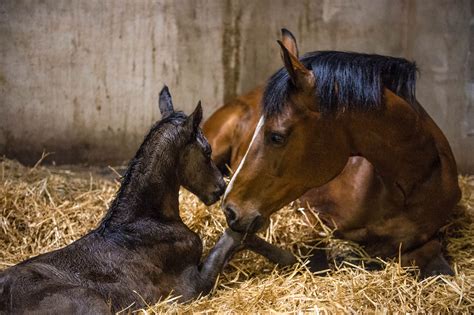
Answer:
(109, 270)
(386, 178)
(142, 251)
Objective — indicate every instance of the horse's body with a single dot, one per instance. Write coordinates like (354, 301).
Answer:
(142, 251)
(383, 175)
(231, 127)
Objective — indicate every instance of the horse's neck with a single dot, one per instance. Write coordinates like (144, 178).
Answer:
(149, 191)
(396, 141)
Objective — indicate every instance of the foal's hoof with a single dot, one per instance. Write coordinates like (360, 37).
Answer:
(287, 259)
(235, 236)
(318, 262)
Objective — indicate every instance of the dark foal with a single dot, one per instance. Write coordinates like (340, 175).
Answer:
(141, 251)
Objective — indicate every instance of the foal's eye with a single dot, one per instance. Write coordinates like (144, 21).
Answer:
(277, 139)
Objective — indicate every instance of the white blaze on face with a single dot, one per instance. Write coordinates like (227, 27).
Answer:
(257, 129)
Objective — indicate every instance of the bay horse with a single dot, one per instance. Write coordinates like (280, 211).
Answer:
(142, 244)
(344, 133)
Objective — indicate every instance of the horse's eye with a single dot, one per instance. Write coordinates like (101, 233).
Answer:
(277, 139)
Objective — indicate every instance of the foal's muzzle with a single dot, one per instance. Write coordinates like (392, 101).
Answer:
(216, 194)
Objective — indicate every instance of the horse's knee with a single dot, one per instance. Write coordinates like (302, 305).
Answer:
(429, 259)
(437, 266)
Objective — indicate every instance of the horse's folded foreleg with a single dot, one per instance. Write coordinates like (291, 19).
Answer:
(429, 259)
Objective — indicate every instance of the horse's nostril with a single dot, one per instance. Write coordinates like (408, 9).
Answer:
(230, 214)
(257, 223)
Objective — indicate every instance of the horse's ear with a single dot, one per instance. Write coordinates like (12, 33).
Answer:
(289, 41)
(195, 118)
(165, 102)
(300, 76)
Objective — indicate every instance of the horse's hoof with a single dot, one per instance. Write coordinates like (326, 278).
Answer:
(436, 267)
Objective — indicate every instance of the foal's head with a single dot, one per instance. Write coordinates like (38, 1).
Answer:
(195, 169)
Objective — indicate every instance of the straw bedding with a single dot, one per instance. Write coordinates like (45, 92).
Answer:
(45, 208)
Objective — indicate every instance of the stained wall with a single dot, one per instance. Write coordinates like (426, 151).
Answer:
(81, 78)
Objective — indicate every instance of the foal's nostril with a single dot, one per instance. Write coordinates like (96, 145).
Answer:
(219, 191)
(222, 186)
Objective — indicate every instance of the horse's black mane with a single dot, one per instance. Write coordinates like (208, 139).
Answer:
(175, 118)
(346, 81)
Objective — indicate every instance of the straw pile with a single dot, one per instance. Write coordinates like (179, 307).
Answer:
(44, 208)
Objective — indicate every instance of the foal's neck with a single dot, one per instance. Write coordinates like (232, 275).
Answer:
(150, 187)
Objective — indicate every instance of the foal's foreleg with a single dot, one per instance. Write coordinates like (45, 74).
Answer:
(229, 243)
(273, 253)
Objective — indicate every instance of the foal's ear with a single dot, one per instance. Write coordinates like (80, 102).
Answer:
(195, 118)
(300, 76)
(289, 41)
(165, 102)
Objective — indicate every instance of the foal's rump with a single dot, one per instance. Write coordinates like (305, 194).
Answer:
(59, 282)
(41, 288)
(59, 299)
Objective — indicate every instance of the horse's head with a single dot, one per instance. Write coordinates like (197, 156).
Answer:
(294, 147)
(196, 171)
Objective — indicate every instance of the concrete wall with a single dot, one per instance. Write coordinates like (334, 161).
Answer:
(80, 78)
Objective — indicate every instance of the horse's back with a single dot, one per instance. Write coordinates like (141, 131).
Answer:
(448, 168)
(229, 125)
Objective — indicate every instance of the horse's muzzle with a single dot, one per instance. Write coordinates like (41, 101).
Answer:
(239, 224)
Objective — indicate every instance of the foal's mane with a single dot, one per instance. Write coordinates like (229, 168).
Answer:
(137, 161)
(346, 81)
